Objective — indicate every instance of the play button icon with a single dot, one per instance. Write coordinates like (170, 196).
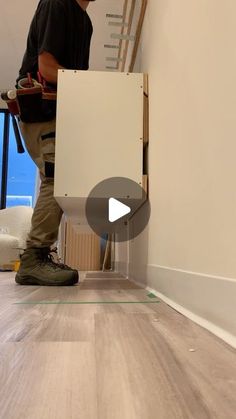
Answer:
(117, 206)
(117, 210)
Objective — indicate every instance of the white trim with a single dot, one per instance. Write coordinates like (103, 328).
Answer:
(207, 300)
(224, 278)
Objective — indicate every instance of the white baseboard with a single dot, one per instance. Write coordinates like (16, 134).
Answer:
(208, 300)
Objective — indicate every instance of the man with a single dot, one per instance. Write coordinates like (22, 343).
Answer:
(59, 37)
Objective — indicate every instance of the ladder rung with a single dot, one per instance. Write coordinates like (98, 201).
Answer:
(119, 36)
(114, 16)
(111, 46)
(114, 59)
(118, 24)
(111, 68)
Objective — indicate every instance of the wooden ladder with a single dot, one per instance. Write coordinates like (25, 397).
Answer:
(130, 23)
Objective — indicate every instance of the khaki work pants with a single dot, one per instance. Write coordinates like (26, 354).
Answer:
(39, 139)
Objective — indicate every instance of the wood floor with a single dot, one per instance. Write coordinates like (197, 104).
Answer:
(106, 349)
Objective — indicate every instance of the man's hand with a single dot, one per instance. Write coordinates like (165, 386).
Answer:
(48, 67)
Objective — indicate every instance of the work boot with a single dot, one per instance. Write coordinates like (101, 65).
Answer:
(38, 268)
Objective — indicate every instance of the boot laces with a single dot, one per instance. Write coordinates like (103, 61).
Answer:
(54, 255)
(47, 259)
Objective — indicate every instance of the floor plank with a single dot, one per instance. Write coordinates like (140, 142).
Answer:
(140, 374)
(47, 380)
(107, 361)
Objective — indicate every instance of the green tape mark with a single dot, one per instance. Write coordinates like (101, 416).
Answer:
(86, 302)
(151, 295)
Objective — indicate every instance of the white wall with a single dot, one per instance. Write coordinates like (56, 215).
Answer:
(15, 19)
(189, 51)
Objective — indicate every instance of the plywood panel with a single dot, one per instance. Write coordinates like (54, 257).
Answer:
(145, 110)
(82, 250)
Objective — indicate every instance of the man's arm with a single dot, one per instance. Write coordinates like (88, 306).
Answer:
(48, 67)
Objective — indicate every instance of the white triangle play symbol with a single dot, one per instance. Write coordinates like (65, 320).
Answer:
(117, 210)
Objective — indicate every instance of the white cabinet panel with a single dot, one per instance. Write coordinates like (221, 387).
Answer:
(99, 132)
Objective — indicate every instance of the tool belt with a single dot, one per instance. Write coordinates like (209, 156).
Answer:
(31, 101)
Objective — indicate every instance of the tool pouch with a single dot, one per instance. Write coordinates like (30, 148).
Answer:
(35, 105)
(32, 102)
(12, 104)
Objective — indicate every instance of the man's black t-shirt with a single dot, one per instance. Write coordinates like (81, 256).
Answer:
(62, 28)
